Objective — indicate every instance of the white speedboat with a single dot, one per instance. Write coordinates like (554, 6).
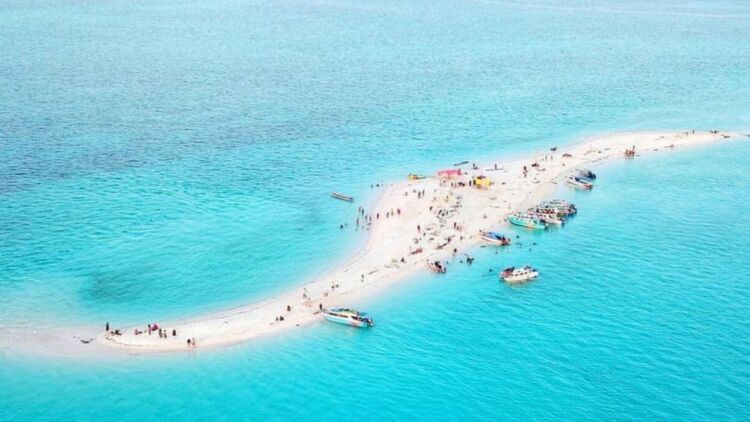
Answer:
(495, 238)
(519, 275)
(348, 317)
(579, 183)
(549, 218)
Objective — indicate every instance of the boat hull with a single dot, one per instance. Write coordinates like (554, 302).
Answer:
(527, 224)
(493, 241)
(494, 238)
(342, 197)
(521, 278)
(578, 184)
(346, 321)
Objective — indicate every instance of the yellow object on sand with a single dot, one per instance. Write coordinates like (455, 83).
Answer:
(482, 182)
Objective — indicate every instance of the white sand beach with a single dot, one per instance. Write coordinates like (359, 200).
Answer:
(394, 238)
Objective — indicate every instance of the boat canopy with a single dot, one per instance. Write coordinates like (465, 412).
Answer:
(449, 173)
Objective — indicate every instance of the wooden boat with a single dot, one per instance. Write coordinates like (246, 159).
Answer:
(348, 317)
(413, 176)
(519, 275)
(342, 197)
(494, 238)
(529, 221)
(461, 163)
(436, 267)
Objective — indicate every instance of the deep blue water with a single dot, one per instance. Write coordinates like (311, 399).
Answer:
(164, 159)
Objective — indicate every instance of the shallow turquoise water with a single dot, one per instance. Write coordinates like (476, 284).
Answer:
(166, 159)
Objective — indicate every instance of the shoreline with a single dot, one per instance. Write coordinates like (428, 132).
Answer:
(386, 257)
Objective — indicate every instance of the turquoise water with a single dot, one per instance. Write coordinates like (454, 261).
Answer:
(164, 159)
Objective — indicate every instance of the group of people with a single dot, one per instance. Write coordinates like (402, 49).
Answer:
(111, 332)
(151, 328)
(289, 307)
(367, 219)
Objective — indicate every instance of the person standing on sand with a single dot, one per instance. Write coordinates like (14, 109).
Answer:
(106, 326)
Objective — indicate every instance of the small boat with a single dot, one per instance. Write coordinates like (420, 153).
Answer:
(348, 317)
(461, 163)
(549, 218)
(579, 183)
(436, 267)
(519, 275)
(527, 220)
(563, 208)
(413, 176)
(587, 174)
(495, 238)
(546, 210)
(342, 197)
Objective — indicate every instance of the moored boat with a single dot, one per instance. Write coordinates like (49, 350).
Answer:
(562, 207)
(495, 238)
(348, 317)
(519, 275)
(342, 197)
(527, 220)
(552, 219)
(586, 174)
(579, 183)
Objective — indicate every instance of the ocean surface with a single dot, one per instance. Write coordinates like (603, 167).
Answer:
(163, 159)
